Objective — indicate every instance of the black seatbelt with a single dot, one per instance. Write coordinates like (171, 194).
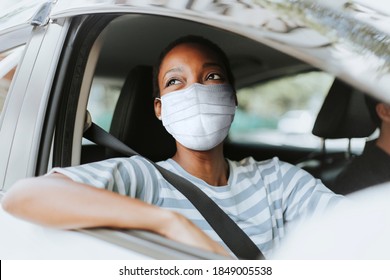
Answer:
(233, 236)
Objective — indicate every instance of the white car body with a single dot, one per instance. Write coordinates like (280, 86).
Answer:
(22, 121)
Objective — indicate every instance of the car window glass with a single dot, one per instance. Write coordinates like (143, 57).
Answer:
(102, 99)
(8, 62)
(283, 111)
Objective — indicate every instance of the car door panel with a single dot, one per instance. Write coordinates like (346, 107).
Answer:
(28, 102)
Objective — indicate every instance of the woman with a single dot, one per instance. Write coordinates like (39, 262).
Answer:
(195, 99)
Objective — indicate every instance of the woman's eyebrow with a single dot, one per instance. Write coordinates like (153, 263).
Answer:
(175, 69)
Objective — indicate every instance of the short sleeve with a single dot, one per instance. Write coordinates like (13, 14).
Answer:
(303, 195)
(134, 177)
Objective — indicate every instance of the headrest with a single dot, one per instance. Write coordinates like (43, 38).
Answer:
(343, 114)
(134, 121)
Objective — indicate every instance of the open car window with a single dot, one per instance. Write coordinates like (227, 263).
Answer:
(282, 112)
(102, 100)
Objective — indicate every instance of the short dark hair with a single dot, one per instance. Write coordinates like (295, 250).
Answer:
(192, 39)
(371, 103)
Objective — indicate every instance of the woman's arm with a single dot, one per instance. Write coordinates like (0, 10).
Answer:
(57, 201)
(304, 195)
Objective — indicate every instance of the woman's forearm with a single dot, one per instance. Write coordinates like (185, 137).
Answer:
(57, 201)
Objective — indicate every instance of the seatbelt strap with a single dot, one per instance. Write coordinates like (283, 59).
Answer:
(233, 236)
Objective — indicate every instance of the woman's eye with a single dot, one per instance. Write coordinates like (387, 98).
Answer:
(172, 82)
(214, 76)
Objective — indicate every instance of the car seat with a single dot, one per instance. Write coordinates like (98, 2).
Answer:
(134, 121)
(343, 115)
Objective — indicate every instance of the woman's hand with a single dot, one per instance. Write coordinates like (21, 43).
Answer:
(178, 228)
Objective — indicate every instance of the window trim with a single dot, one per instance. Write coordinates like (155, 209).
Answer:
(74, 79)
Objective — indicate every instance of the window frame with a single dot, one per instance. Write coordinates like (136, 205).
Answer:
(73, 82)
(23, 123)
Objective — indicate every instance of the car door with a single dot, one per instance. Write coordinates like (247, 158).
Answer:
(25, 115)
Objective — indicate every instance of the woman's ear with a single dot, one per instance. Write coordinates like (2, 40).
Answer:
(157, 108)
(383, 111)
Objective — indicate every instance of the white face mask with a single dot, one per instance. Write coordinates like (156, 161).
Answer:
(199, 117)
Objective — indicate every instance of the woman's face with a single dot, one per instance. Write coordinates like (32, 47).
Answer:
(190, 63)
(199, 128)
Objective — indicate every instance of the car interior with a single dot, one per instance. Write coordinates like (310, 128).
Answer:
(123, 51)
(343, 115)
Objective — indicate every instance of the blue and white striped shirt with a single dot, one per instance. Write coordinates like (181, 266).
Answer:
(261, 197)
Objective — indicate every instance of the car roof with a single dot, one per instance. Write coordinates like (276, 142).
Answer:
(349, 39)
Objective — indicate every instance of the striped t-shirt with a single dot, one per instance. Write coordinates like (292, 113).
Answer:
(261, 197)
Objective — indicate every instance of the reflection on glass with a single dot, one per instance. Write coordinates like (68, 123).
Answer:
(8, 63)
